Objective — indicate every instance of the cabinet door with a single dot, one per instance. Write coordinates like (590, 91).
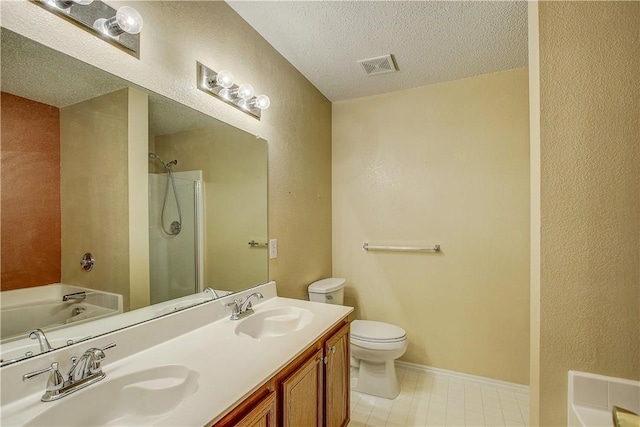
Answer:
(337, 378)
(262, 415)
(259, 410)
(302, 394)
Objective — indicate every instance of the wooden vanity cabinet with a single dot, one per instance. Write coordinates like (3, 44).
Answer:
(301, 394)
(312, 390)
(337, 378)
(258, 410)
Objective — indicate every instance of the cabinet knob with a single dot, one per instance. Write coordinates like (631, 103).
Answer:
(332, 349)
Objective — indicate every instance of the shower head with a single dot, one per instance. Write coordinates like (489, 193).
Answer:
(154, 156)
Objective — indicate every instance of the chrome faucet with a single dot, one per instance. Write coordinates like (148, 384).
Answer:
(39, 335)
(240, 308)
(76, 296)
(85, 370)
(246, 305)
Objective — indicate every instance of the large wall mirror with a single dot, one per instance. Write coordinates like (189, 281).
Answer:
(118, 205)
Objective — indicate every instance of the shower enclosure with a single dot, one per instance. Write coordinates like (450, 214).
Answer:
(175, 233)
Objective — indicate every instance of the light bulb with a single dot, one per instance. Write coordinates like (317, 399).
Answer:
(66, 4)
(129, 20)
(243, 103)
(262, 102)
(245, 91)
(224, 79)
(225, 93)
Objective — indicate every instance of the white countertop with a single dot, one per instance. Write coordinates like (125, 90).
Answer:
(230, 367)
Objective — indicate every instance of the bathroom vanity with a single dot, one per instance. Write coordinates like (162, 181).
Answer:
(197, 367)
(311, 390)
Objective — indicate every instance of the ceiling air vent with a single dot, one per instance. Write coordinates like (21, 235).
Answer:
(379, 65)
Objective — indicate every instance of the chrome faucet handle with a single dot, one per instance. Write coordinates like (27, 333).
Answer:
(96, 356)
(88, 364)
(55, 381)
(108, 346)
(235, 308)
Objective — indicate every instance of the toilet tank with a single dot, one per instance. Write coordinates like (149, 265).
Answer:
(328, 291)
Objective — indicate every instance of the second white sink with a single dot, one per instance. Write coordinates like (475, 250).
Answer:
(275, 322)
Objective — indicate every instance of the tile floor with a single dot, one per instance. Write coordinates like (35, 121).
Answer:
(431, 399)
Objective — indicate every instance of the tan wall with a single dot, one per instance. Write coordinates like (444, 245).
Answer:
(95, 215)
(30, 152)
(138, 198)
(234, 165)
(535, 218)
(590, 195)
(445, 164)
(297, 125)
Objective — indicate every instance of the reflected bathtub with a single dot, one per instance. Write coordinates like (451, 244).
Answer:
(23, 310)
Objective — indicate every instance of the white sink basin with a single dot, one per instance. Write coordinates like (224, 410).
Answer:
(141, 398)
(274, 322)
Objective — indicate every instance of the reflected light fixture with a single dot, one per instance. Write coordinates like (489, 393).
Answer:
(222, 86)
(120, 27)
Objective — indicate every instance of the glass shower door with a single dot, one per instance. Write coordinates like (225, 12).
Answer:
(173, 263)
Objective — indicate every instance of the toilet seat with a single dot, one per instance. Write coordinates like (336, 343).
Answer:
(373, 334)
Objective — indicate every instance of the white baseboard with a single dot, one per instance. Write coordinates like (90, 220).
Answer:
(516, 388)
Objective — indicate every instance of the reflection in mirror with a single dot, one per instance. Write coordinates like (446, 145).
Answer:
(92, 163)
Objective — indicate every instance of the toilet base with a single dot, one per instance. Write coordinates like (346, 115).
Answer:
(378, 379)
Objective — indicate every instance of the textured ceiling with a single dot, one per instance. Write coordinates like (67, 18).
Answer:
(33, 71)
(432, 41)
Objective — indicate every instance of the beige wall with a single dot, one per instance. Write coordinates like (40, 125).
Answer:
(95, 216)
(590, 195)
(445, 164)
(234, 171)
(297, 126)
(535, 219)
(138, 198)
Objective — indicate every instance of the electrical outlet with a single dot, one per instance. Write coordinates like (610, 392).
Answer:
(273, 248)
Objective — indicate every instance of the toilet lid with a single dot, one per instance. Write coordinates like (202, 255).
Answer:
(326, 286)
(370, 330)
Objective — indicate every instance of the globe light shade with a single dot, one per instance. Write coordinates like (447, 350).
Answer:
(129, 20)
(245, 91)
(263, 102)
(225, 79)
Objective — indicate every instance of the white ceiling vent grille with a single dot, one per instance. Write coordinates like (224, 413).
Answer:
(379, 65)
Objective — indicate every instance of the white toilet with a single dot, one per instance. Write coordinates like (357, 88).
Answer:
(374, 345)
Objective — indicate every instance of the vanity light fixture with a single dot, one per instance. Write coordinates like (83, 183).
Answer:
(222, 86)
(66, 4)
(119, 27)
(126, 20)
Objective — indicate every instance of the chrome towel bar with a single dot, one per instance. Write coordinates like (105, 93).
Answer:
(367, 247)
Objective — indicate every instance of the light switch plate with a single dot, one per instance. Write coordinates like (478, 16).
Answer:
(273, 248)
